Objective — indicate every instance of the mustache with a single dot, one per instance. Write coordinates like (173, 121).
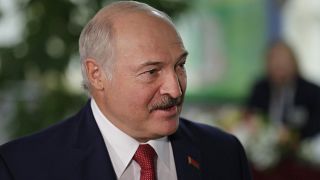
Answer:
(166, 102)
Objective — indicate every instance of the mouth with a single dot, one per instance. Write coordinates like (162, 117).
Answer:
(170, 108)
(169, 111)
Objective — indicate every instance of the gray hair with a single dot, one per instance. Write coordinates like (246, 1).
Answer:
(97, 36)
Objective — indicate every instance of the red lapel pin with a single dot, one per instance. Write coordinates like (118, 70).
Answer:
(193, 162)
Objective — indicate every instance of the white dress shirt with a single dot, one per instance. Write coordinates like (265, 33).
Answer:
(121, 148)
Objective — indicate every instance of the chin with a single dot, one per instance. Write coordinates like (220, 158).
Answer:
(168, 128)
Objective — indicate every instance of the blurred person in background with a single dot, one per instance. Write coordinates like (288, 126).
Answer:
(133, 63)
(284, 96)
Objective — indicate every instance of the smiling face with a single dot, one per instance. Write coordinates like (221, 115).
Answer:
(145, 94)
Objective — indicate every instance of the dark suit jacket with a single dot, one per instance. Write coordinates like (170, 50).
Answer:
(307, 96)
(75, 150)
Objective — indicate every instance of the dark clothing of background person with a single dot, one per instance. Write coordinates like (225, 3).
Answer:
(305, 104)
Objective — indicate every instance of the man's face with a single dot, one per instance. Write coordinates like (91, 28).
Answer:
(281, 68)
(145, 94)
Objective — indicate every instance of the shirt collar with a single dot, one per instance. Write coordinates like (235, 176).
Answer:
(162, 147)
(122, 147)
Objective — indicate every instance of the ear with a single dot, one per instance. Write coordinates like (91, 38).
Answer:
(95, 74)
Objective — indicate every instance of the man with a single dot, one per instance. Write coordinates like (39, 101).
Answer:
(289, 100)
(133, 66)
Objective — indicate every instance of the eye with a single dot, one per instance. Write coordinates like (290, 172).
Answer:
(152, 71)
(149, 75)
(181, 65)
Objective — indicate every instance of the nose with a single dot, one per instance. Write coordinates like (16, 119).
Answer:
(171, 85)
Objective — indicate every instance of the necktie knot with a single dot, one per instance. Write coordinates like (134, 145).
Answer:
(144, 156)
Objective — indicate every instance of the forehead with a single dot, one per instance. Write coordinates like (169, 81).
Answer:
(280, 54)
(145, 33)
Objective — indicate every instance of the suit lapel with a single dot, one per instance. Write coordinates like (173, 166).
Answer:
(91, 158)
(186, 156)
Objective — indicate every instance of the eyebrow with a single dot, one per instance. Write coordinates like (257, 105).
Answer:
(151, 62)
(183, 55)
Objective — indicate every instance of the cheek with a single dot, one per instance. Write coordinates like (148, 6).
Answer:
(142, 96)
